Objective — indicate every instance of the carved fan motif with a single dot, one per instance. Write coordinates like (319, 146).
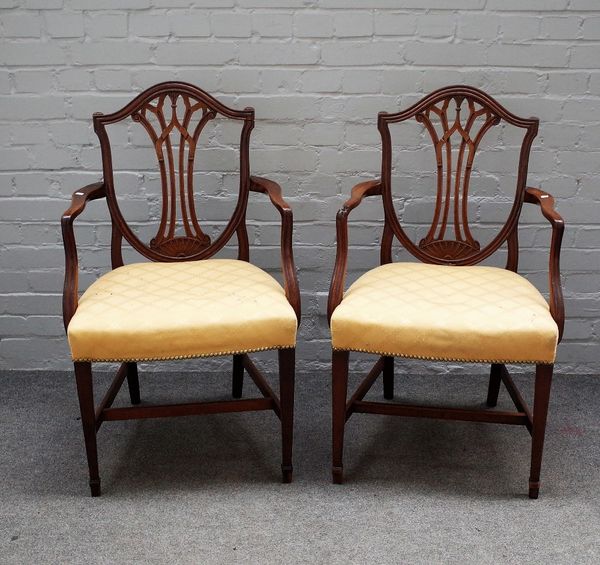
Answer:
(176, 165)
(453, 172)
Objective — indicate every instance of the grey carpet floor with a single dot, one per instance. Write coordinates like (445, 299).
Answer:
(206, 489)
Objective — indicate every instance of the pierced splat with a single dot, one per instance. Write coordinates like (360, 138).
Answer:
(176, 164)
(174, 115)
(454, 168)
(449, 240)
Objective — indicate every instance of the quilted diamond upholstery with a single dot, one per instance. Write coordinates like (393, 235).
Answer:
(439, 312)
(151, 311)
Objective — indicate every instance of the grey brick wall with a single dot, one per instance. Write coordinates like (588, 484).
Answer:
(317, 72)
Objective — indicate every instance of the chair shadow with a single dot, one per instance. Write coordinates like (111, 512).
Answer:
(438, 457)
(166, 453)
(47, 457)
(192, 452)
(474, 459)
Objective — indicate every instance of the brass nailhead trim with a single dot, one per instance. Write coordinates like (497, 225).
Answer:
(176, 357)
(425, 358)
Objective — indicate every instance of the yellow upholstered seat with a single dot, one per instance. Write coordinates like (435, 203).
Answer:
(479, 314)
(152, 311)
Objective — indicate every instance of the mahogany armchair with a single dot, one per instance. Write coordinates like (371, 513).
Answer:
(446, 307)
(183, 303)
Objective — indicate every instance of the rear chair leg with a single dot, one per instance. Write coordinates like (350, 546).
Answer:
(85, 391)
(388, 378)
(339, 390)
(237, 382)
(133, 383)
(543, 382)
(494, 386)
(286, 396)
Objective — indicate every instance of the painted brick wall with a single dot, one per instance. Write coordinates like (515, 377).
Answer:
(317, 72)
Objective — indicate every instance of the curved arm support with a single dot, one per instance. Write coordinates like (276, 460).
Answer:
(78, 201)
(546, 203)
(336, 289)
(290, 279)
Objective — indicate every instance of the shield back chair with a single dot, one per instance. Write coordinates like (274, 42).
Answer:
(446, 307)
(182, 303)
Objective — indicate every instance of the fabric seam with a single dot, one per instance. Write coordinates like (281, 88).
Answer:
(426, 358)
(176, 357)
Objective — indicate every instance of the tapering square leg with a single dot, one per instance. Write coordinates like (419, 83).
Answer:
(543, 383)
(237, 381)
(339, 389)
(494, 385)
(287, 359)
(133, 383)
(388, 378)
(85, 392)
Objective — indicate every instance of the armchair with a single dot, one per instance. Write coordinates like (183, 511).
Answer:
(447, 307)
(183, 303)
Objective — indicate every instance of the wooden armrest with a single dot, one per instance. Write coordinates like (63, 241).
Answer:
(273, 190)
(81, 197)
(362, 189)
(78, 201)
(546, 203)
(336, 289)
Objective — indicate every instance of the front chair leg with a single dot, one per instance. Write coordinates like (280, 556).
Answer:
(85, 391)
(543, 382)
(133, 383)
(237, 381)
(339, 390)
(286, 396)
(388, 378)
